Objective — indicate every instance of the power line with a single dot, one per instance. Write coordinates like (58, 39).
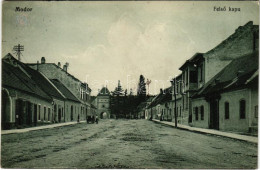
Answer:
(18, 50)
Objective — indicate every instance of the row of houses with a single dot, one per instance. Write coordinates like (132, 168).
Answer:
(38, 93)
(217, 89)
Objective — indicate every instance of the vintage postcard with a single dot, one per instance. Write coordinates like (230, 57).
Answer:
(129, 84)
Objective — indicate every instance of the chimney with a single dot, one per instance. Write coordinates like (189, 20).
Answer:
(37, 66)
(59, 64)
(65, 67)
(43, 60)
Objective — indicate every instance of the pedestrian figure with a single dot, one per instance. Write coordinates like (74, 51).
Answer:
(96, 119)
(78, 118)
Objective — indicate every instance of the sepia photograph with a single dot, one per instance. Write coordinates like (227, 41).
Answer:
(129, 84)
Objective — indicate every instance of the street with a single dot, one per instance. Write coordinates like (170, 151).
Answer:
(124, 144)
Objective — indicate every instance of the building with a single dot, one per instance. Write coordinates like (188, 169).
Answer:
(142, 112)
(24, 103)
(30, 98)
(202, 67)
(161, 105)
(70, 106)
(79, 89)
(229, 101)
(103, 103)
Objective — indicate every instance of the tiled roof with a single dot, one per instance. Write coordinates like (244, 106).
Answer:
(104, 92)
(17, 78)
(92, 98)
(38, 78)
(195, 57)
(44, 83)
(161, 97)
(64, 90)
(33, 64)
(93, 106)
(233, 76)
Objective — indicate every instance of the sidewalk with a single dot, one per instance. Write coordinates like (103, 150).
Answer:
(5, 132)
(251, 139)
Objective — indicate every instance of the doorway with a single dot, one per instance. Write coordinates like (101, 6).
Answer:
(214, 114)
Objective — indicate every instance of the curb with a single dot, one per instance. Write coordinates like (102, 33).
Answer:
(13, 131)
(250, 139)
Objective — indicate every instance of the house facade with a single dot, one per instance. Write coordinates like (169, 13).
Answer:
(229, 101)
(199, 70)
(30, 98)
(79, 89)
(24, 103)
(161, 105)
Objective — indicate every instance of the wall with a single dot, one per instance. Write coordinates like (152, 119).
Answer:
(254, 107)
(236, 45)
(52, 71)
(234, 123)
(200, 123)
(14, 95)
(103, 101)
(76, 110)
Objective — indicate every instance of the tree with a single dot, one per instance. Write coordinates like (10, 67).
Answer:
(131, 92)
(141, 90)
(118, 90)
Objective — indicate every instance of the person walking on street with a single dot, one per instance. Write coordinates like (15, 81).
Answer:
(96, 119)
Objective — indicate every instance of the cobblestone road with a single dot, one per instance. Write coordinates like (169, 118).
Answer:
(124, 144)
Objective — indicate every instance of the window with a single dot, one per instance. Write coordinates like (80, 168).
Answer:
(44, 116)
(256, 111)
(226, 110)
(197, 113)
(242, 109)
(193, 77)
(49, 114)
(180, 111)
(39, 116)
(202, 112)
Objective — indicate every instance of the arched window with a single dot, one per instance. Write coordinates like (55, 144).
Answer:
(197, 113)
(226, 110)
(242, 109)
(202, 112)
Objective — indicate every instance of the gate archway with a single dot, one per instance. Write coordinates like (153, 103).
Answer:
(103, 115)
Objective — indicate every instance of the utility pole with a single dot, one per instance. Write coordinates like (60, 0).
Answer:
(175, 102)
(148, 82)
(18, 50)
(175, 107)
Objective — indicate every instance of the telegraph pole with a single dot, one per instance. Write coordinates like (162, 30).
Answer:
(148, 82)
(173, 81)
(18, 50)
(175, 108)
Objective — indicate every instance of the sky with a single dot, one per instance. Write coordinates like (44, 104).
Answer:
(104, 42)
